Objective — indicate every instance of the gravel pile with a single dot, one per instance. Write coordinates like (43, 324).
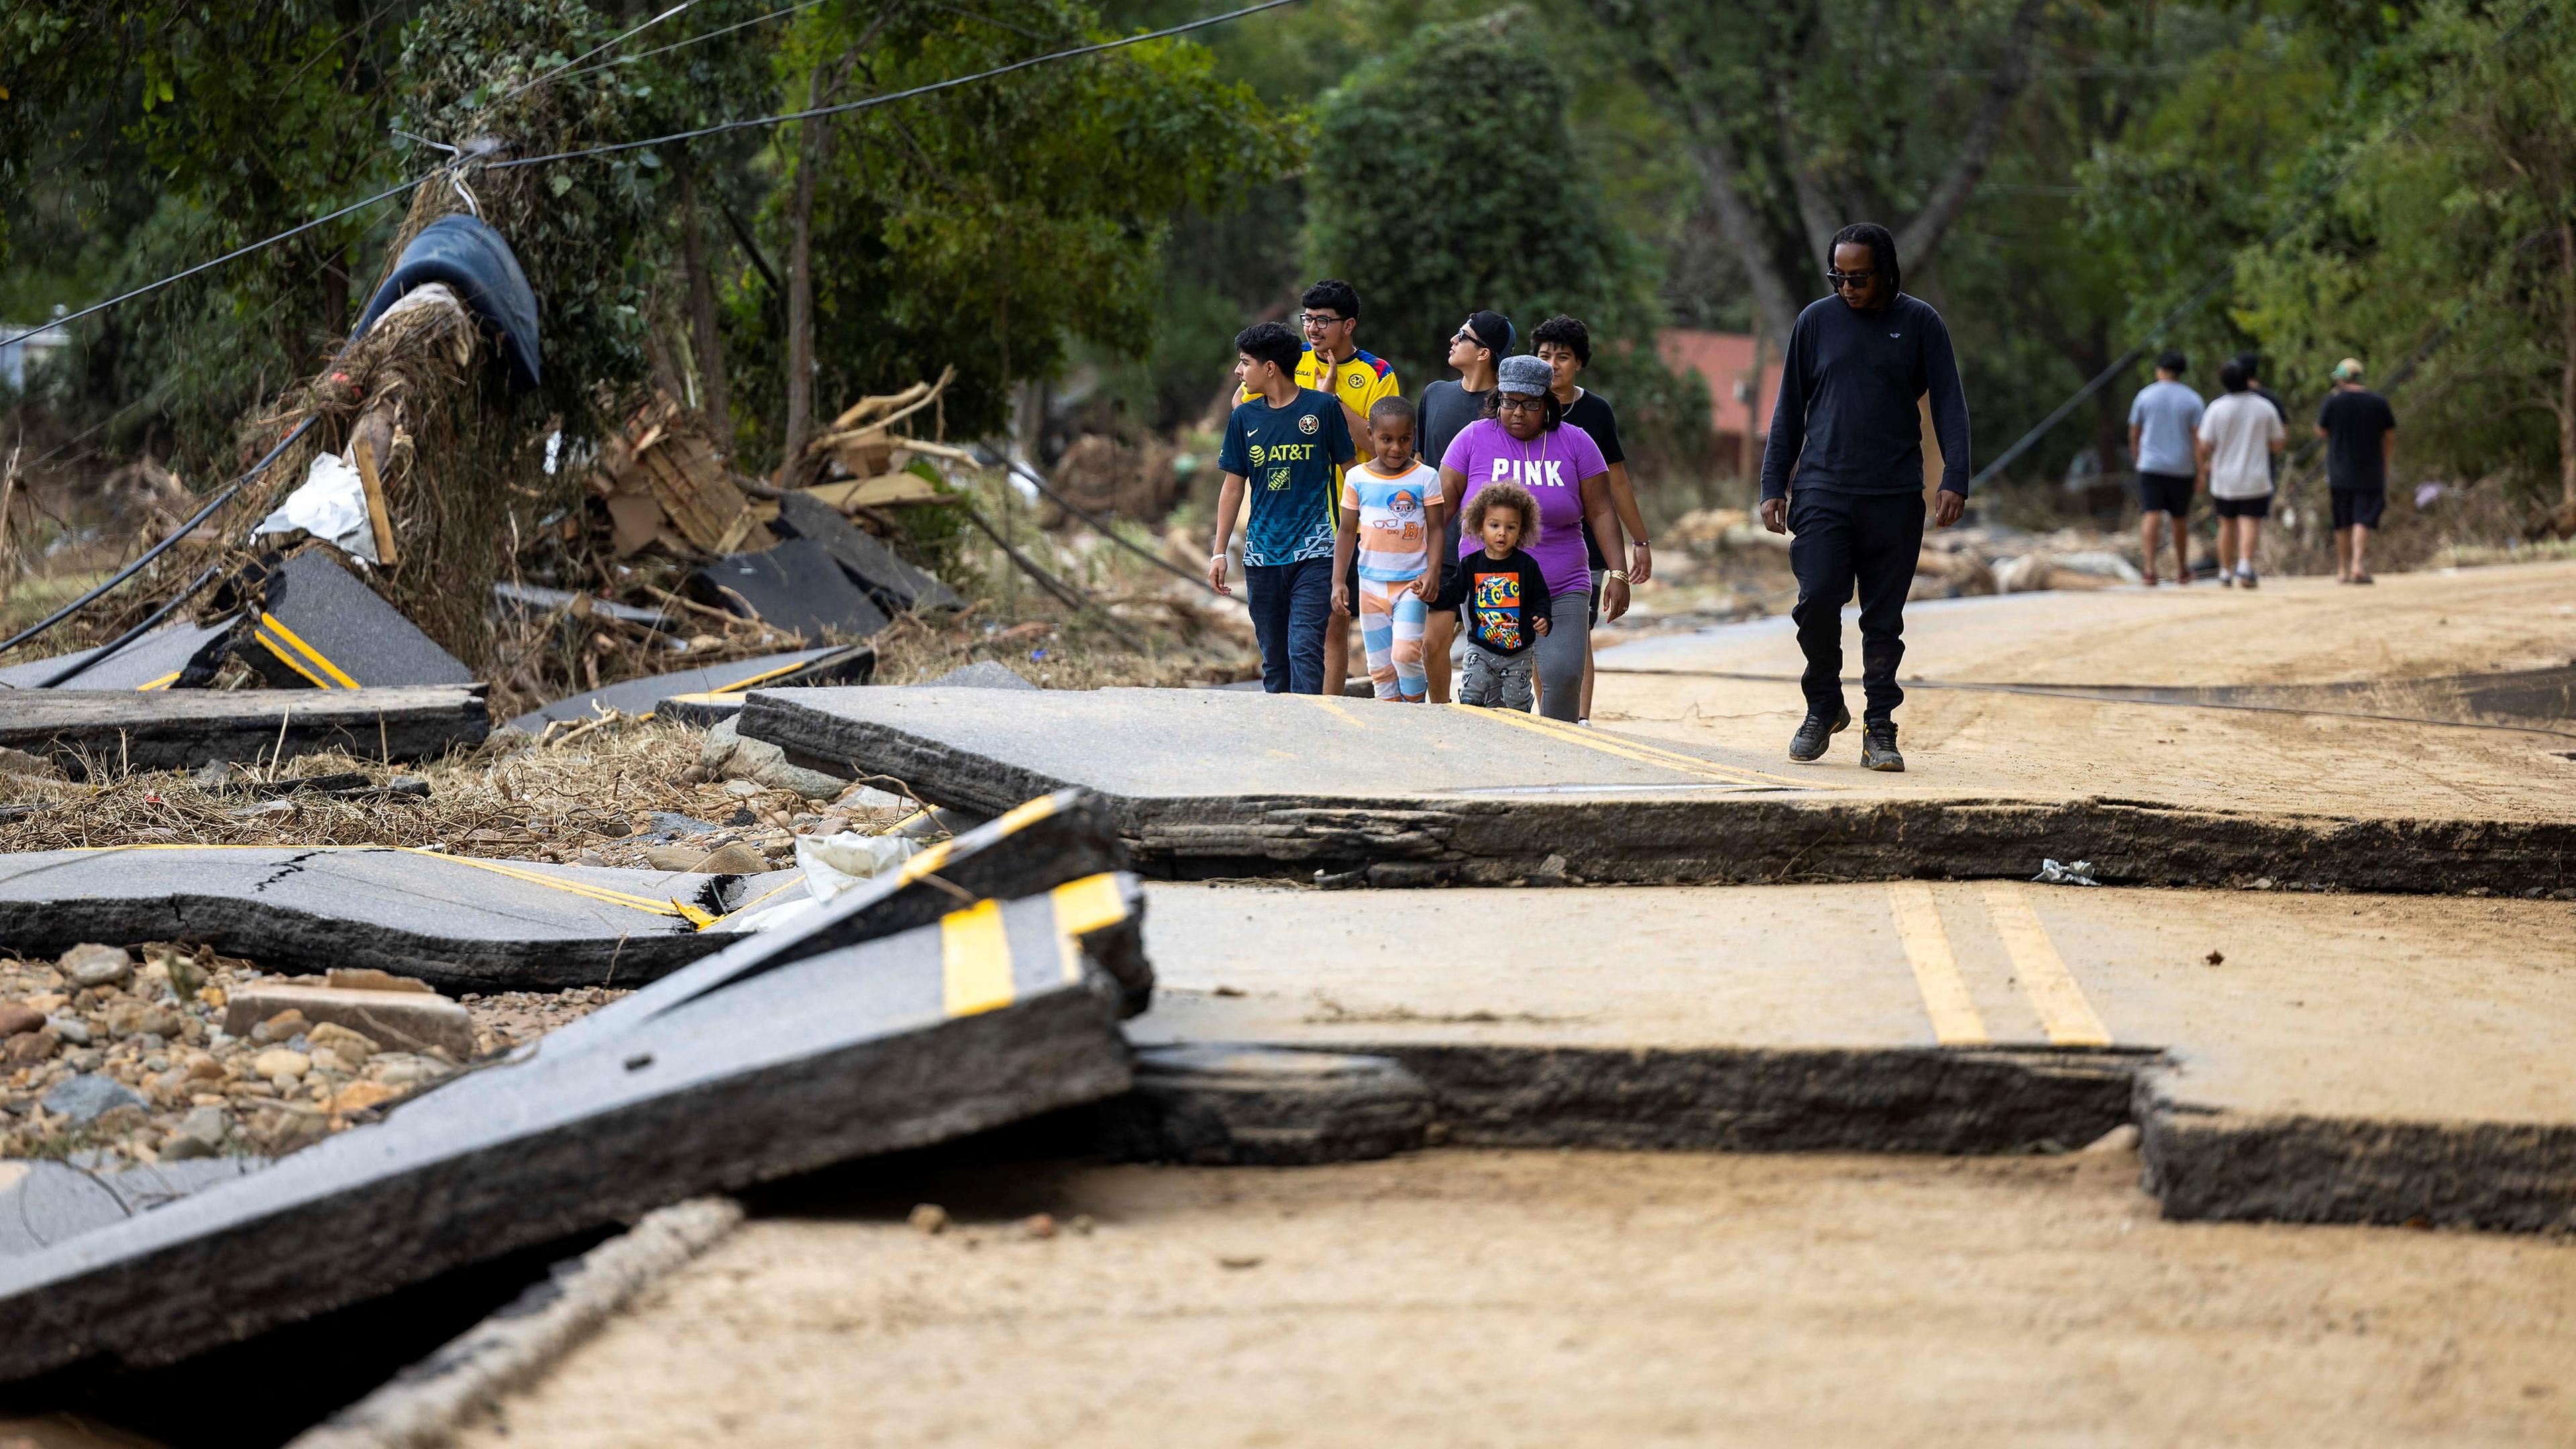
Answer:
(112, 1061)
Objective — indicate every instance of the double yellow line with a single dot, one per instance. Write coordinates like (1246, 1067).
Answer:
(299, 656)
(1627, 747)
(975, 948)
(2063, 1010)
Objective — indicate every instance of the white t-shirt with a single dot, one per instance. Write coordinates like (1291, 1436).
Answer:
(2240, 429)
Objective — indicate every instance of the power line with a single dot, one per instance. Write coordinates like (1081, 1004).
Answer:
(845, 107)
(2227, 270)
(97, 307)
(567, 67)
(682, 44)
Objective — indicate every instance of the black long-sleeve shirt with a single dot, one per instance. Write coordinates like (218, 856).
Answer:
(1846, 421)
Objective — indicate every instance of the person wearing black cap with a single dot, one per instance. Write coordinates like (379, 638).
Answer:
(1844, 471)
(1445, 409)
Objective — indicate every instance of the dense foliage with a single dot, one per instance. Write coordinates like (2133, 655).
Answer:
(2077, 182)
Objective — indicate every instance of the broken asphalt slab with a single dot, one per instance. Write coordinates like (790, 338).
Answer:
(457, 922)
(847, 664)
(705, 710)
(2346, 1058)
(319, 627)
(183, 729)
(1211, 783)
(158, 660)
(797, 587)
(996, 1012)
(896, 586)
(43, 1202)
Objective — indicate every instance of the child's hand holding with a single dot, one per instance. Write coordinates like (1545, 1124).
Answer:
(1341, 596)
(1540, 624)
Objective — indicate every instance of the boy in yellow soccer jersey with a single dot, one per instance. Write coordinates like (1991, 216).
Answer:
(1333, 365)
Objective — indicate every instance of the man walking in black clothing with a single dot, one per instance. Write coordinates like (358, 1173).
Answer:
(1844, 472)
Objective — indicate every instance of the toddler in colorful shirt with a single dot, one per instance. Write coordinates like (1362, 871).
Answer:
(1505, 593)
(1386, 522)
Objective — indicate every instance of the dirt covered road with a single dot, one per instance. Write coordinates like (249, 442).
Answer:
(1572, 1298)
(2292, 632)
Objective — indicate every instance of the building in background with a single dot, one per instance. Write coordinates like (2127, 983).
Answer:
(26, 357)
(1743, 378)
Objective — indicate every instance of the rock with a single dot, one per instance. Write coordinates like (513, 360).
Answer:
(90, 964)
(279, 1062)
(18, 1016)
(70, 1028)
(736, 858)
(207, 1125)
(394, 1020)
(88, 1097)
(179, 1147)
(929, 1217)
(283, 1026)
(353, 1047)
(726, 755)
(358, 1096)
(1039, 1225)
(28, 1048)
(135, 1018)
(34, 767)
(369, 979)
(744, 789)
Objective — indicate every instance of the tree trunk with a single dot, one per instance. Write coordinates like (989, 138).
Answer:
(1920, 239)
(1719, 168)
(706, 342)
(800, 287)
(2567, 368)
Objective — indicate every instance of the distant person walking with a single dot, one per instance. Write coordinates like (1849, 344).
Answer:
(1333, 364)
(1565, 345)
(1285, 449)
(2164, 421)
(2361, 437)
(1447, 407)
(1844, 472)
(2253, 365)
(2240, 435)
(1523, 439)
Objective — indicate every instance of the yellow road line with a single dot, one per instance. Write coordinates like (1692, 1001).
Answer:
(1617, 749)
(164, 682)
(1334, 707)
(694, 915)
(974, 959)
(1021, 816)
(288, 659)
(762, 677)
(1936, 968)
(2069, 1018)
(1082, 907)
(269, 621)
(1679, 758)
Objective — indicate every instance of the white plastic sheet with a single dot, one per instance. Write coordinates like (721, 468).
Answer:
(331, 504)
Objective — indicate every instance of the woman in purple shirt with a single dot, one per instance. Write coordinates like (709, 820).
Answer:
(1520, 440)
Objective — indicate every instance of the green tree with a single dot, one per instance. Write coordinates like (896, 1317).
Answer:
(2448, 257)
(1802, 115)
(1456, 184)
(984, 227)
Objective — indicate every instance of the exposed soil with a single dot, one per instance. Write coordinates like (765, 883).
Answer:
(1554, 1298)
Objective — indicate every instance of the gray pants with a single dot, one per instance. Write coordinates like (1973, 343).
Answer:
(1562, 650)
(1496, 681)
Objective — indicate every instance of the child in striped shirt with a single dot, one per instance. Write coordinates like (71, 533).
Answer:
(1387, 524)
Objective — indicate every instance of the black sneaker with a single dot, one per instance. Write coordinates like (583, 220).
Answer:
(1812, 737)
(1878, 746)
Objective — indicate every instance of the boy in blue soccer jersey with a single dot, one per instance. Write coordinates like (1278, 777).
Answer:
(1285, 448)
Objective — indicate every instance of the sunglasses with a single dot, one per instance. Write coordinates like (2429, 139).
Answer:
(1840, 280)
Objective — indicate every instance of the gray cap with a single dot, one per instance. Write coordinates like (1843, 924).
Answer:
(1524, 374)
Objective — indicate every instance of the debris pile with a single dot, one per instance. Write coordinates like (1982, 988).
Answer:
(114, 1062)
(1984, 558)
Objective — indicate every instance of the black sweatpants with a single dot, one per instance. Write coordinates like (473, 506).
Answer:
(1843, 540)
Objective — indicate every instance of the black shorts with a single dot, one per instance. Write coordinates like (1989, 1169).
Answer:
(2358, 507)
(2243, 507)
(2165, 493)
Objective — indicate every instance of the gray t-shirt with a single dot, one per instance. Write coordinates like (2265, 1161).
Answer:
(2167, 415)
(1443, 413)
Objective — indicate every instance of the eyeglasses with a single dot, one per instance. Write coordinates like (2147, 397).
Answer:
(1314, 320)
(1521, 405)
(1840, 280)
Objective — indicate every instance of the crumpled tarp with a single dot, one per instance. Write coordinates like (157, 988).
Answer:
(472, 259)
